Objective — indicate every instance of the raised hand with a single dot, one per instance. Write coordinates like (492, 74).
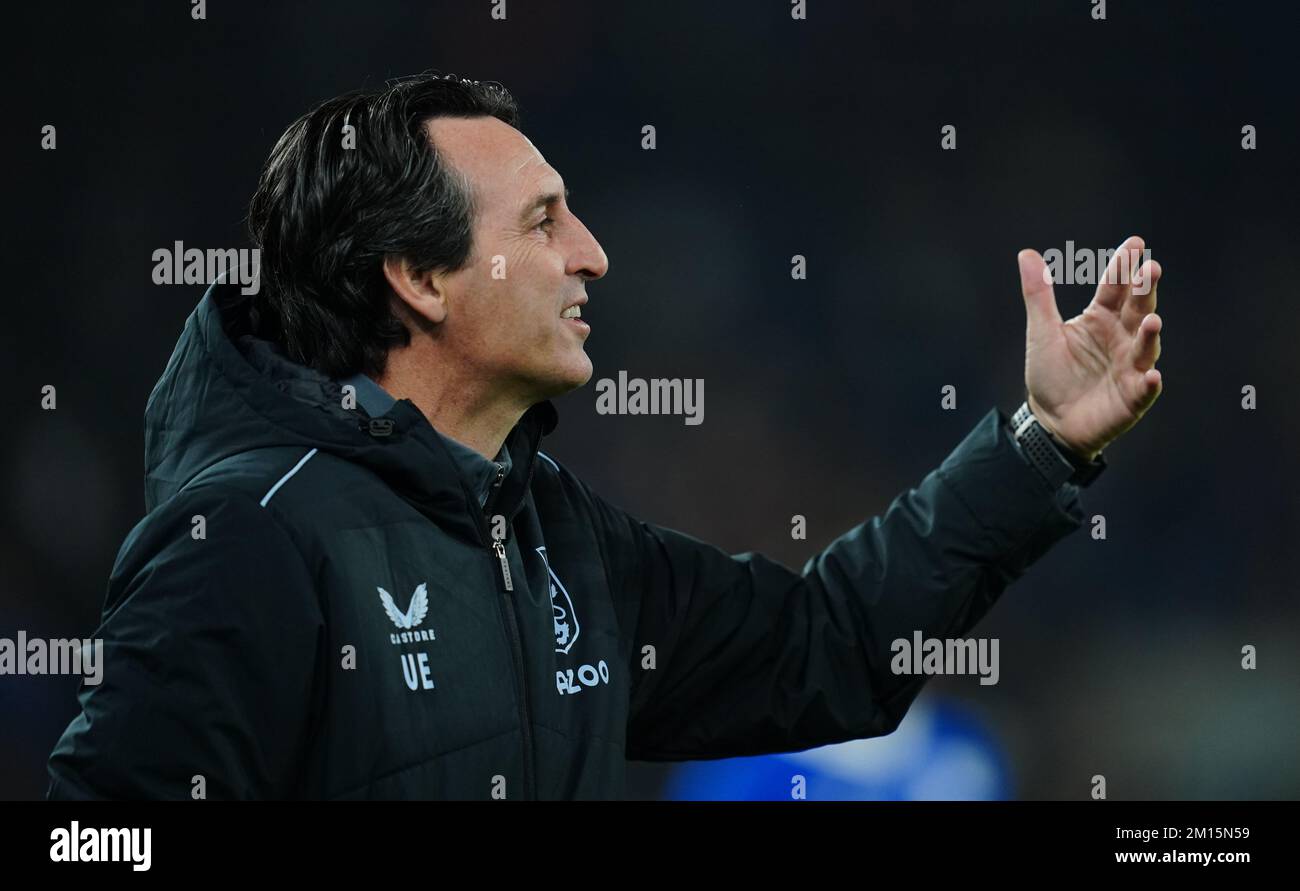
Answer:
(1093, 377)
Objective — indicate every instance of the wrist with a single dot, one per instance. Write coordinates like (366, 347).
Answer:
(1083, 453)
(1053, 459)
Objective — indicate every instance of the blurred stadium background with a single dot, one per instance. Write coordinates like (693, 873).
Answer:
(775, 137)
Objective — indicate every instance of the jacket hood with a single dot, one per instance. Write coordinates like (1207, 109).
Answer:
(225, 391)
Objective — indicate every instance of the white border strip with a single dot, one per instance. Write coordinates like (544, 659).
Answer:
(284, 479)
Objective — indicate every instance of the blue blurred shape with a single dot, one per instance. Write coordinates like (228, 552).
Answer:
(941, 751)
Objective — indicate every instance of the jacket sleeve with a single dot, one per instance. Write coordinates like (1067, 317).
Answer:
(209, 653)
(751, 657)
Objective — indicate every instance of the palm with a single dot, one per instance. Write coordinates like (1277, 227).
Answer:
(1091, 378)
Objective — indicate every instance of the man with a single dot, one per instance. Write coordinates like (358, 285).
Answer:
(360, 578)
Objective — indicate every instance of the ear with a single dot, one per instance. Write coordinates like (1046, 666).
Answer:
(423, 292)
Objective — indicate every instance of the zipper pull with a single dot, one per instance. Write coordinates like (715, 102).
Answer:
(495, 489)
(505, 564)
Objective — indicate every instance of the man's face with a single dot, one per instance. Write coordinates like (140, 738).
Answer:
(531, 260)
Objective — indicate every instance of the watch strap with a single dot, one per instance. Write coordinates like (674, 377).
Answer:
(1057, 464)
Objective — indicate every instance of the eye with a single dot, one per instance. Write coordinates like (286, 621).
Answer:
(545, 222)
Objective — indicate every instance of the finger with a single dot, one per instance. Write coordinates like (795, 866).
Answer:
(1114, 284)
(1036, 288)
(1149, 389)
(1146, 345)
(1141, 301)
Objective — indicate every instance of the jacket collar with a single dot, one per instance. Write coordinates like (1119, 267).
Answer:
(482, 473)
(226, 391)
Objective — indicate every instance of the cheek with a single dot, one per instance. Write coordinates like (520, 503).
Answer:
(534, 299)
(519, 314)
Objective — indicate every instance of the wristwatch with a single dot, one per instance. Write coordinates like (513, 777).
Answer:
(1054, 461)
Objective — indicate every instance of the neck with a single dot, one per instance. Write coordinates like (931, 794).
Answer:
(458, 405)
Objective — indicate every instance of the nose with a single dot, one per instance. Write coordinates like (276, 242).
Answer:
(587, 258)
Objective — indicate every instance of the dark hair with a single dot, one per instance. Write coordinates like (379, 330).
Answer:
(324, 217)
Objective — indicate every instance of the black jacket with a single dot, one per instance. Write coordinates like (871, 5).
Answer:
(315, 606)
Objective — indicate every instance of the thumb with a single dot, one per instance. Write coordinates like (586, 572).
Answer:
(1036, 286)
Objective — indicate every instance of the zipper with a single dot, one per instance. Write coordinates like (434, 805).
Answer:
(505, 564)
(512, 625)
(510, 614)
(517, 651)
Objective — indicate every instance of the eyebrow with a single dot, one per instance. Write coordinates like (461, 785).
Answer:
(543, 201)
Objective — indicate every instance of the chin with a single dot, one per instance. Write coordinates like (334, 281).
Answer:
(570, 376)
(579, 377)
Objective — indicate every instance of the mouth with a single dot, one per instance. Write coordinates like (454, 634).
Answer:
(573, 315)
